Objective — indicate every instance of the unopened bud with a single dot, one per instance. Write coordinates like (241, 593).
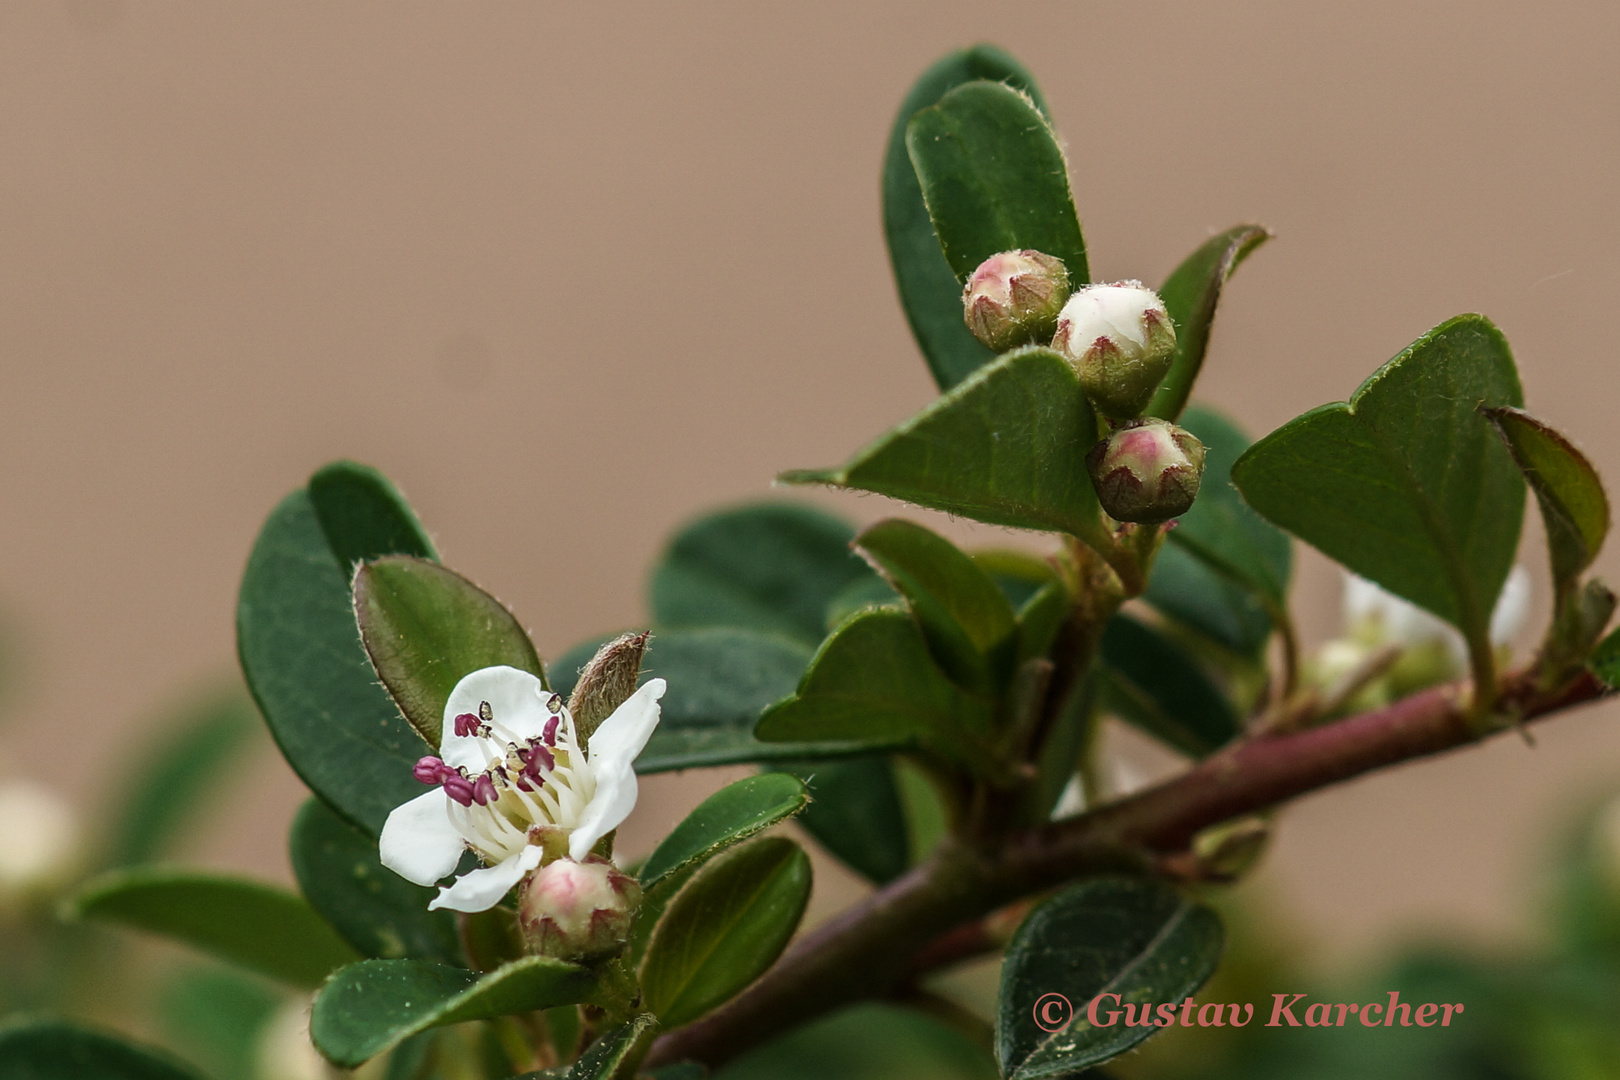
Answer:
(578, 910)
(1147, 470)
(1014, 298)
(1121, 342)
(607, 681)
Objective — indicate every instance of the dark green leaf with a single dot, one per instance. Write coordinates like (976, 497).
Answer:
(772, 567)
(734, 813)
(856, 814)
(929, 290)
(374, 909)
(724, 928)
(1573, 504)
(35, 1049)
(859, 595)
(371, 1006)
(301, 653)
(1406, 483)
(425, 627)
(720, 680)
(1605, 661)
(994, 179)
(873, 682)
(216, 1017)
(866, 1042)
(615, 1055)
(1007, 446)
(258, 927)
(1190, 295)
(363, 515)
(179, 770)
(1185, 588)
(1019, 574)
(1154, 684)
(964, 617)
(1132, 937)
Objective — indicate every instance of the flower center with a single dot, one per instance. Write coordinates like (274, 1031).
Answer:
(527, 788)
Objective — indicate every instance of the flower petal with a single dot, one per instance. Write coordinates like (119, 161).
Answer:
(480, 890)
(1512, 607)
(612, 756)
(418, 841)
(516, 700)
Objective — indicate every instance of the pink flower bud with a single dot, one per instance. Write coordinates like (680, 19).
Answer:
(1148, 470)
(1014, 298)
(1121, 342)
(578, 910)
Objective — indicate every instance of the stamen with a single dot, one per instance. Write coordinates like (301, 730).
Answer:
(555, 703)
(484, 790)
(459, 788)
(428, 770)
(485, 713)
(466, 724)
(549, 735)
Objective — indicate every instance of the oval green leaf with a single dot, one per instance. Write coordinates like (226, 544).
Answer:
(929, 291)
(1573, 504)
(425, 627)
(255, 926)
(616, 1055)
(301, 653)
(34, 1049)
(772, 567)
(1190, 295)
(994, 179)
(1128, 936)
(1156, 685)
(363, 515)
(374, 909)
(374, 1005)
(963, 614)
(724, 928)
(857, 815)
(1406, 483)
(1006, 446)
(732, 814)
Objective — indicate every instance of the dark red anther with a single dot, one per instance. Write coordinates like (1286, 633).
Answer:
(549, 735)
(539, 755)
(484, 790)
(459, 788)
(466, 724)
(428, 770)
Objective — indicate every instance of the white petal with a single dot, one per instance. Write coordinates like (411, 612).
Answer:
(1512, 607)
(1394, 620)
(480, 890)
(418, 841)
(516, 700)
(612, 756)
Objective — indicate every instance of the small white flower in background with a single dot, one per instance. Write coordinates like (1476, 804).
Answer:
(285, 1051)
(513, 783)
(39, 837)
(1377, 617)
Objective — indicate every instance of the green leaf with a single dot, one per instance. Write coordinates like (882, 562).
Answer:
(1154, 684)
(929, 291)
(1128, 936)
(867, 1042)
(1006, 446)
(1040, 619)
(426, 627)
(255, 926)
(724, 928)
(857, 815)
(732, 814)
(301, 653)
(374, 909)
(1190, 295)
(720, 680)
(873, 682)
(216, 1017)
(964, 617)
(374, 1005)
(1605, 661)
(1573, 504)
(1225, 567)
(176, 773)
(1406, 483)
(616, 1055)
(772, 567)
(35, 1049)
(994, 179)
(363, 515)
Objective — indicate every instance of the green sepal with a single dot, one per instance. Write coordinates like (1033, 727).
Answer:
(425, 627)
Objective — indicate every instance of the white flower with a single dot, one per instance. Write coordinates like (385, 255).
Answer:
(513, 783)
(39, 837)
(1383, 618)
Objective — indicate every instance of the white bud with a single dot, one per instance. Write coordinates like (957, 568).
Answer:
(578, 910)
(1014, 298)
(1148, 470)
(1121, 342)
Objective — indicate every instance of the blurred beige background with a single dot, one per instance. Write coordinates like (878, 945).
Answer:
(571, 273)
